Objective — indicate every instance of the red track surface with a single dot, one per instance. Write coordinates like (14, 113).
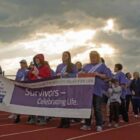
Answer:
(22, 131)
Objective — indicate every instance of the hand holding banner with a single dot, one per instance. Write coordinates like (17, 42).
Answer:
(65, 97)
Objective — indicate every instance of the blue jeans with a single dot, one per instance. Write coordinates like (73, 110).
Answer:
(97, 105)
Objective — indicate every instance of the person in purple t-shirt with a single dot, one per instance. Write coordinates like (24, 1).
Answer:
(66, 70)
(21, 75)
(120, 76)
(79, 66)
(129, 93)
(101, 73)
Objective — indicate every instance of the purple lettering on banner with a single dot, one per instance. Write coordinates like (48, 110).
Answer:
(72, 96)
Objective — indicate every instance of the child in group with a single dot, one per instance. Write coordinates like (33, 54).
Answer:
(120, 76)
(114, 93)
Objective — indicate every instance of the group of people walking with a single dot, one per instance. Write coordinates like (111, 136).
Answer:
(113, 90)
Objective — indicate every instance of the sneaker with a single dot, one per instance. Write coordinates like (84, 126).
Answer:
(85, 127)
(48, 119)
(122, 121)
(41, 120)
(110, 125)
(116, 125)
(66, 126)
(32, 121)
(42, 123)
(72, 121)
(99, 128)
(104, 123)
(12, 116)
(83, 121)
(136, 116)
(17, 120)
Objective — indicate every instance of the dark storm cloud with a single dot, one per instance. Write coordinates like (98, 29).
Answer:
(21, 18)
(26, 16)
(127, 49)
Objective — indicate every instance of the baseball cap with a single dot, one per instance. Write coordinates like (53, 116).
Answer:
(23, 61)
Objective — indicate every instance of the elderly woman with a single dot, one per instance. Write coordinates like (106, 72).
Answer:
(101, 73)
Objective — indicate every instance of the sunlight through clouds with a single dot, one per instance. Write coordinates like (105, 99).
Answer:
(57, 43)
(105, 50)
(109, 25)
(79, 43)
(12, 65)
(54, 26)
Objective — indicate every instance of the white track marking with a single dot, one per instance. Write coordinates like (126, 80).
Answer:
(30, 131)
(107, 130)
(7, 124)
(26, 132)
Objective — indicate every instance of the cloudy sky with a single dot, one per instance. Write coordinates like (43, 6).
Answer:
(28, 27)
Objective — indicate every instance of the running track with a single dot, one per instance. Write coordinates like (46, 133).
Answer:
(22, 131)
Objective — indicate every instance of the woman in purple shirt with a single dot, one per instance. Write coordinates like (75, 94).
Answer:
(101, 73)
(129, 93)
(66, 70)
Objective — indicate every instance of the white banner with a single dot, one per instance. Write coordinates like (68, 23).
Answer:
(68, 97)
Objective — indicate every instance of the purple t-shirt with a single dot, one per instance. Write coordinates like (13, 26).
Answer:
(120, 76)
(61, 68)
(99, 83)
(106, 84)
(128, 86)
(22, 74)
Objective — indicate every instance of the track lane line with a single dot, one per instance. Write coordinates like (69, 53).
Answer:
(8, 124)
(31, 131)
(11, 118)
(107, 130)
(26, 132)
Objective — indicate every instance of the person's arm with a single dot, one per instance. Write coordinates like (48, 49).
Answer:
(58, 72)
(44, 73)
(31, 76)
(123, 81)
(100, 75)
(104, 74)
